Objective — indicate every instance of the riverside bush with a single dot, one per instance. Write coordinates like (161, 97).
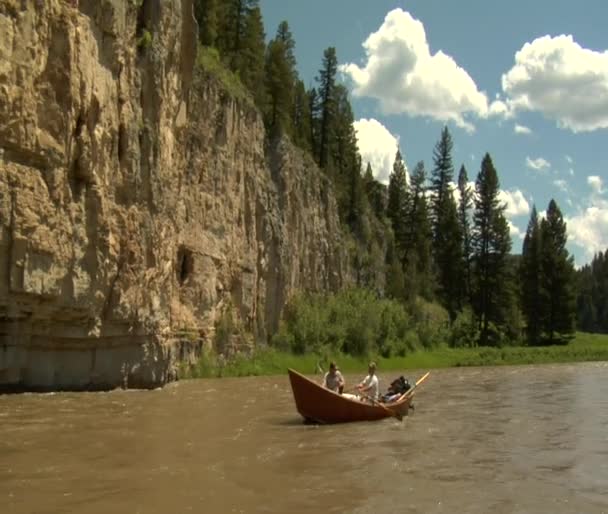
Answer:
(353, 322)
(465, 332)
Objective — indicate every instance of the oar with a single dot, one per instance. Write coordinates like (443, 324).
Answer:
(393, 413)
(418, 382)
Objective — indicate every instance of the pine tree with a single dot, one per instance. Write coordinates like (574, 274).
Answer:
(557, 277)
(464, 208)
(398, 203)
(252, 63)
(313, 108)
(286, 37)
(419, 235)
(448, 257)
(491, 244)
(441, 176)
(447, 235)
(207, 13)
(345, 160)
(279, 106)
(530, 272)
(327, 85)
(592, 297)
(375, 191)
(301, 117)
(231, 39)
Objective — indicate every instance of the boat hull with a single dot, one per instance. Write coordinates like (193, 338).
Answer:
(319, 405)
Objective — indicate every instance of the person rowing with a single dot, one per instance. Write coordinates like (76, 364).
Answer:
(333, 379)
(369, 387)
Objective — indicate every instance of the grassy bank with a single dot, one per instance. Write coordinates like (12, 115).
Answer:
(585, 347)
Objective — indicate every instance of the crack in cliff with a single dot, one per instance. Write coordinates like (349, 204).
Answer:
(110, 296)
(11, 232)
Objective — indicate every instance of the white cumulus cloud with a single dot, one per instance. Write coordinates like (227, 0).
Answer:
(515, 201)
(589, 229)
(562, 80)
(514, 231)
(522, 129)
(376, 146)
(596, 184)
(561, 184)
(538, 164)
(402, 74)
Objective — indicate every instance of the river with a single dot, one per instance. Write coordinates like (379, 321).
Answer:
(525, 439)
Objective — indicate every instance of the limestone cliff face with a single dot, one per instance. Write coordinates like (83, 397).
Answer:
(138, 201)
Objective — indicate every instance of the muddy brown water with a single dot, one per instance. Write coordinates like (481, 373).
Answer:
(529, 439)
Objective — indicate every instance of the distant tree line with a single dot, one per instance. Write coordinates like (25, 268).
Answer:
(445, 241)
(456, 249)
(592, 300)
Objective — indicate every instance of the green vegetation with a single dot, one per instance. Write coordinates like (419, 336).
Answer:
(145, 40)
(584, 347)
(209, 61)
(355, 322)
(592, 301)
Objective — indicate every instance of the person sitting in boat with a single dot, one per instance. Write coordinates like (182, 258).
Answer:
(396, 389)
(333, 379)
(370, 386)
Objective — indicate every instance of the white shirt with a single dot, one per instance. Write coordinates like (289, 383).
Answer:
(374, 384)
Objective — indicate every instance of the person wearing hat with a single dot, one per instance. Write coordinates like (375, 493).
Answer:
(370, 385)
(333, 379)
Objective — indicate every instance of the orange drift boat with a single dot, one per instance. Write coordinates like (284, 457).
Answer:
(319, 405)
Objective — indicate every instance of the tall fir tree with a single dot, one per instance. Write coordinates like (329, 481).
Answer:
(345, 160)
(284, 34)
(301, 117)
(376, 193)
(530, 274)
(207, 14)
(419, 233)
(252, 60)
(313, 108)
(592, 297)
(326, 91)
(441, 176)
(398, 199)
(465, 205)
(557, 277)
(447, 235)
(231, 38)
(279, 105)
(491, 245)
(448, 259)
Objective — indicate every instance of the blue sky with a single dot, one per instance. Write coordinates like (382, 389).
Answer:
(525, 81)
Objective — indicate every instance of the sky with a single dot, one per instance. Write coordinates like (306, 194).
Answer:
(526, 82)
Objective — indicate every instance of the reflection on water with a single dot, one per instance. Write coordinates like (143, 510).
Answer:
(515, 439)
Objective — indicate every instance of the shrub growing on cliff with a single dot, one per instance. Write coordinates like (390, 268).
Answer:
(208, 60)
(145, 40)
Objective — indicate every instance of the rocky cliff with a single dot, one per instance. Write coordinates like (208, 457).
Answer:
(139, 202)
